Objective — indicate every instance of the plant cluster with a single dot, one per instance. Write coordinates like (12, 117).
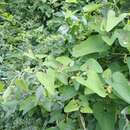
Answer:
(64, 64)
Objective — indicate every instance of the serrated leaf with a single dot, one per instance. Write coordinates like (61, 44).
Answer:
(94, 44)
(72, 106)
(112, 20)
(121, 86)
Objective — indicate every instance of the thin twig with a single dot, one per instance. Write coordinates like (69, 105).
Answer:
(82, 122)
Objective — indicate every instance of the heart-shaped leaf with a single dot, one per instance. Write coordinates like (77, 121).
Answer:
(105, 116)
(92, 64)
(94, 44)
(112, 20)
(47, 79)
(121, 86)
(94, 83)
(72, 106)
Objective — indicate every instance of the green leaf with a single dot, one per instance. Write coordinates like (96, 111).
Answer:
(62, 77)
(121, 86)
(65, 60)
(107, 74)
(92, 7)
(68, 92)
(47, 79)
(88, 91)
(109, 40)
(94, 83)
(30, 54)
(128, 127)
(1, 87)
(22, 84)
(94, 44)
(52, 128)
(105, 116)
(128, 63)
(86, 109)
(28, 104)
(72, 106)
(124, 38)
(71, 1)
(112, 20)
(92, 64)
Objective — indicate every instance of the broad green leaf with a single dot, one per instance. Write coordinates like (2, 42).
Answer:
(66, 125)
(46, 103)
(10, 107)
(88, 91)
(112, 20)
(73, 105)
(98, 126)
(53, 63)
(86, 109)
(92, 64)
(62, 77)
(52, 128)
(128, 127)
(68, 92)
(124, 38)
(83, 100)
(94, 83)
(127, 26)
(7, 93)
(65, 60)
(107, 74)
(39, 93)
(92, 7)
(47, 79)
(1, 87)
(109, 40)
(56, 116)
(71, 1)
(28, 104)
(22, 84)
(105, 116)
(94, 44)
(121, 86)
(128, 63)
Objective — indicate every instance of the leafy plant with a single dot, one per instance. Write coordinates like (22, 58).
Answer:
(64, 65)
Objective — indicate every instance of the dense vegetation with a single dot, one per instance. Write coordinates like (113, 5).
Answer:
(64, 65)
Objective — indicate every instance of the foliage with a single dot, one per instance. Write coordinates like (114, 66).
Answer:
(64, 65)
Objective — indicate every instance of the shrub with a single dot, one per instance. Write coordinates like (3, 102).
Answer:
(64, 65)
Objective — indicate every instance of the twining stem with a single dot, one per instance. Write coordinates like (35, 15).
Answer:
(82, 122)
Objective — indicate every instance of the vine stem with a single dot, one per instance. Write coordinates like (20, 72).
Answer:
(82, 122)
